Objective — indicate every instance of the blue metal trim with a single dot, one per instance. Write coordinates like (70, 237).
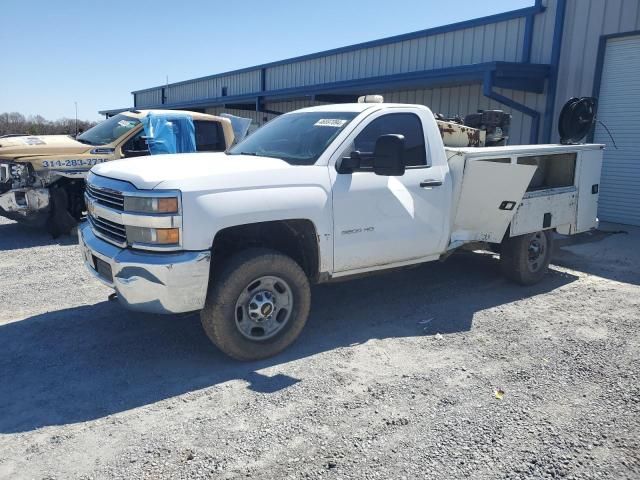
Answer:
(528, 32)
(528, 39)
(558, 31)
(487, 91)
(454, 75)
(597, 76)
(115, 111)
(499, 17)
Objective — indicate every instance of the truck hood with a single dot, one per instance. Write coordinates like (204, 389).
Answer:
(28, 145)
(185, 171)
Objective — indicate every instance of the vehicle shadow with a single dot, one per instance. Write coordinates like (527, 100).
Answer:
(92, 361)
(15, 236)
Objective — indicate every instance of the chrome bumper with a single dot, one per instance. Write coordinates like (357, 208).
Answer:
(174, 282)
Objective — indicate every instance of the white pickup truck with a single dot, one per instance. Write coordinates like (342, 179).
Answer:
(315, 195)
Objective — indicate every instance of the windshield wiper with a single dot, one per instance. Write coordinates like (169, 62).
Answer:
(82, 140)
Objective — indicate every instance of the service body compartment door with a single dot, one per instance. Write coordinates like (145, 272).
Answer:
(588, 182)
(490, 194)
(544, 209)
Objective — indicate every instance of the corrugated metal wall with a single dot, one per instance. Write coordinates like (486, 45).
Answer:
(500, 41)
(198, 89)
(543, 28)
(148, 97)
(585, 22)
(236, 84)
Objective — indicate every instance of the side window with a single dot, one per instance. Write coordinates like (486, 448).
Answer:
(209, 136)
(407, 124)
(136, 146)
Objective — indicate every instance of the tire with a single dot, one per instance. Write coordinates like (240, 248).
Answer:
(234, 298)
(525, 259)
(60, 221)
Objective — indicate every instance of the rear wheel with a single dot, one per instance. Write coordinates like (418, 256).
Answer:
(525, 258)
(257, 304)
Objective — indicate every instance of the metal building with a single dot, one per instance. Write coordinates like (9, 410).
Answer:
(527, 62)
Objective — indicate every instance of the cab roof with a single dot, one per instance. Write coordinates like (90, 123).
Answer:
(357, 107)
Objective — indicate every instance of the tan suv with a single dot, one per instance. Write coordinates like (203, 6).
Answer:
(42, 176)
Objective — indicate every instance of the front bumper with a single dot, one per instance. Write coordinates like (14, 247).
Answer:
(23, 202)
(173, 282)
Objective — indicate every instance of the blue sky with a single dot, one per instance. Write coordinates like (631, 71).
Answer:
(55, 53)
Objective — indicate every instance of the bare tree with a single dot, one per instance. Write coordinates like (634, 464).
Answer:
(16, 123)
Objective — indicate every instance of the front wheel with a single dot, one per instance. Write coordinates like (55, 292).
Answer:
(525, 258)
(60, 221)
(257, 305)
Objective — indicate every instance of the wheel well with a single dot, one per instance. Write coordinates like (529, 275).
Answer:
(296, 238)
(74, 189)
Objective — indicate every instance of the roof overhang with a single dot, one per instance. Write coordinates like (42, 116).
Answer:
(114, 111)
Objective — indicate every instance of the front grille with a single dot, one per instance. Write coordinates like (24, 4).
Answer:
(107, 197)
(109, 230)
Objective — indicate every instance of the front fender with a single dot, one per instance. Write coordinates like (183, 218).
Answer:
(207, 213)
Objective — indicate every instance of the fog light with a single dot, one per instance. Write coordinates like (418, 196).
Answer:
(168, 235)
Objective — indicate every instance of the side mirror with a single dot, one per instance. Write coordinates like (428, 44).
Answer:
(135, 153)
(388, 157)
(349, 164)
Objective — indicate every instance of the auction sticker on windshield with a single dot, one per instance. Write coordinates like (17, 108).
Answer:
(330, 122)
(127, 123)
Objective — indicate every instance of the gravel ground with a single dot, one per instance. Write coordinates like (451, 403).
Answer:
(394, 377)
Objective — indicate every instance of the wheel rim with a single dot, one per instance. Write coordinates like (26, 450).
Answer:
(537, 252)
(263, 308)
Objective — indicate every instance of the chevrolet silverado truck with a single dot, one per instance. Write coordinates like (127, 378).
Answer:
(319, 194)
(42, 176)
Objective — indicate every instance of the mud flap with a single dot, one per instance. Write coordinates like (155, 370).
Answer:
(490, 195)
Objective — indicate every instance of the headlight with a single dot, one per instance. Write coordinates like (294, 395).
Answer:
(19, 170)
(153, 236)
(151, 204)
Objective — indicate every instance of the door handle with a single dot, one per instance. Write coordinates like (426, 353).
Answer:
(430, 183)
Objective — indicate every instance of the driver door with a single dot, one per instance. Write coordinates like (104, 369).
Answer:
(380, 220)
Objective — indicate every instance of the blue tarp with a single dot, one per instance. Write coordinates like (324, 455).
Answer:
(169, 133)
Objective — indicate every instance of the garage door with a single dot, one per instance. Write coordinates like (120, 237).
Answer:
(619, 110)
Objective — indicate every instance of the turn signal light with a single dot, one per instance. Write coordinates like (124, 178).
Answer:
(168, 205)
(168, 235)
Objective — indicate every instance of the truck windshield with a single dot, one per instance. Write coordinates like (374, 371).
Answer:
(109, 130)
(297, 138)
